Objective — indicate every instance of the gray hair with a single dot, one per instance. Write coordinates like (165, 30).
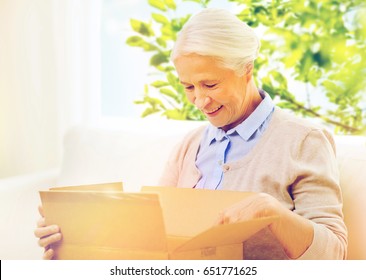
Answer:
(219, 34)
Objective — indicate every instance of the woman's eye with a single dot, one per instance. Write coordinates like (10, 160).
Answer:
(189, 87)
(211, 85)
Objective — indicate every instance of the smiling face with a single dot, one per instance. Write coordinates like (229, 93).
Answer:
(224, 97)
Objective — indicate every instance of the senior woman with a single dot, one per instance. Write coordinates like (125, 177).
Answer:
(250, 145)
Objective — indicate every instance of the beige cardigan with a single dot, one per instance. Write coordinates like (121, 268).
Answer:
(294, 161)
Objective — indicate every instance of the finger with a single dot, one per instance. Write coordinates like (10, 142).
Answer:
(46, 230)
(223, 218)
(40, 210)
(46, 241)
(48, 254)
(218, 220)
(41, 222)
(231, 215)
(227, 219)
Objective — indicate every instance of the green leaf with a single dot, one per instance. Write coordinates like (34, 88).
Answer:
(321, 58)
(160, 18)
(197, 1)
(279, 78)
(171, 4)
(168, 33)
(161, 42)
(292, 58)
(304, 66)
(159, 4)
(154, 102)
(172, 79)
(169, 93)
(149, 111)
(175, 114)
(168, 68)
(134, 41)
(269, 89)
(158, 59)
(149, 47)
(159, 84)
(331, 87)
(141, 27)
(314, 75)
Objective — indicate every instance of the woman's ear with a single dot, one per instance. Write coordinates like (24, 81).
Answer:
(248, 71)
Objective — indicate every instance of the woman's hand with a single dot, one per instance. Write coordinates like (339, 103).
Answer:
(295, 233)
(258, 205)
(47, 235)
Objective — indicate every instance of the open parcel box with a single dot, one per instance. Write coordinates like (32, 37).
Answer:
(103, 222)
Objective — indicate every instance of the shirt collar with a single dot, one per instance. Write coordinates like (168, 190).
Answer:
(249, 126)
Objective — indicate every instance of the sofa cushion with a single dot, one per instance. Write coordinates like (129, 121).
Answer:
(135, 154)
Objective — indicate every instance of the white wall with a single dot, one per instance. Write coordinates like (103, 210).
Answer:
(47, 80)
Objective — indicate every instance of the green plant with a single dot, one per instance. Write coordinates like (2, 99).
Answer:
(320, 44)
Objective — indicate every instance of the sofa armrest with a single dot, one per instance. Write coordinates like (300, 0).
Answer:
(19, 202)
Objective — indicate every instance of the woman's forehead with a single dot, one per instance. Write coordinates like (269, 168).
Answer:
(199, 68)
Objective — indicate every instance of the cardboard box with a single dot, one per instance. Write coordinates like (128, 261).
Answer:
(157, 223)
(114, 186)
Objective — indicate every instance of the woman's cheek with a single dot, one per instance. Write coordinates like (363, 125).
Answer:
(190, 97)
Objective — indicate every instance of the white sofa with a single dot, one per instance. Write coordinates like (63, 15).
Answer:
(104, 154)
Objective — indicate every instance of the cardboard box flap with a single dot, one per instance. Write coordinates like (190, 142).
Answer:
(188, 212)
(114, 186)
(226, 234)
(105, 219)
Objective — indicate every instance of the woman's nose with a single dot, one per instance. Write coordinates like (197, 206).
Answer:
(202, 101)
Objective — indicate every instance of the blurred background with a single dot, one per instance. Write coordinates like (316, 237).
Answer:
(70, 62)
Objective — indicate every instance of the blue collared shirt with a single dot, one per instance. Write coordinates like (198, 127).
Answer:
(218, 147)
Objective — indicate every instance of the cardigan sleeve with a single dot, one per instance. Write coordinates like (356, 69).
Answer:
(180, 169)
(317, 196)
(170, 174)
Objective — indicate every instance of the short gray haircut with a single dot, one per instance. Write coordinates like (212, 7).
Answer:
(220, 34)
